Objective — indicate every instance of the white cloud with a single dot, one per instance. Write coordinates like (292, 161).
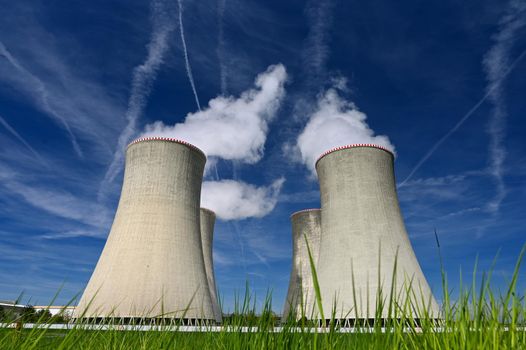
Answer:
(232, 128)
(335, 122)
(234, 200)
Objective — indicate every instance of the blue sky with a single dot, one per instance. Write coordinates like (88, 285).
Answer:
(442, 81)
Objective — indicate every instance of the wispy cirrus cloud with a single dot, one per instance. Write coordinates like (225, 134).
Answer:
(61, 203)
(43, 95)
(496, 64)
(143, 78)
(26, 144)
(36, 67)
(319, 15)
(221, 7)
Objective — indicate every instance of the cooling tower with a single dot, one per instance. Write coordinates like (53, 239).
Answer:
(208, 219)
(363, 234)
(152, 264)
(306, 224)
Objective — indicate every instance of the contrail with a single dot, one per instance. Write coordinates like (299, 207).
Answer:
(495, 62)
(186, 60)
(461, 121)
(43, 96)
(221, 45)
(13, 132)
(143, 77)
(319, 15)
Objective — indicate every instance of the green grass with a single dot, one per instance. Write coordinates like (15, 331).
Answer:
(478, 318)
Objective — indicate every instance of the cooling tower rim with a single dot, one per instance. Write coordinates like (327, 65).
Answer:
(208, 210)
(304, 211)
(169, 139)
(354, 145)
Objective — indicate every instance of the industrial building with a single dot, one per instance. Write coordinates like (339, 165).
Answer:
(208, 219)
(306, 227)
(152, 265)
(364, 238)
(364, 253)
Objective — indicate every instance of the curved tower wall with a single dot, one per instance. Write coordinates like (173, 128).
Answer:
(152, 264)
(362, 233)
(305, 223)
(208, 219)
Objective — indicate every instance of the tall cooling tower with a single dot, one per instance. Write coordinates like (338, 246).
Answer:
(363, 234)
(152, 264)
(300, 296)
(208, 219)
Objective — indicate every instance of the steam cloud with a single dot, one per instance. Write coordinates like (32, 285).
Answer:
(232, 129)
(234, 200)
(335, 122)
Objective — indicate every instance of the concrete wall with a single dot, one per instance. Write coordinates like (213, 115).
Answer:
(300, 296)
(208, 219)
(362, 233)
(152, 263)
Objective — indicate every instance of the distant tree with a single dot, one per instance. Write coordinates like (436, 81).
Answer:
(28, 314)
(43, 315)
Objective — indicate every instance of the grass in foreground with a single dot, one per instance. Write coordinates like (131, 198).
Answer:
(477, 319)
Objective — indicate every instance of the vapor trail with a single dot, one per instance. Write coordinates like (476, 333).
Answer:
(461, 121)
(142, 81)
(221, 45)
(42, 95)
(319, 15)
(495, 62)
(13, 132)
(186, 60)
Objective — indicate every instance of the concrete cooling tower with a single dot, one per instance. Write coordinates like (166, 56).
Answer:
(152, 264)
(300, 296)
(208, 219)
(362, 233)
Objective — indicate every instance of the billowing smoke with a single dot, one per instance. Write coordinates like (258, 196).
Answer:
(235, 200)
(232, 128)
(335, 122)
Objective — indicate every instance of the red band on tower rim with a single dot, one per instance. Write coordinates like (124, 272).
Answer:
(355, 145)
(159, 138)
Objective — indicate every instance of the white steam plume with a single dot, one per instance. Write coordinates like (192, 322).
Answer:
(232, 128)
(235, 200)
(13, 132)
(42, 96)
(185, 50)
(496, 63)
(143, 77)
(335, 122)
